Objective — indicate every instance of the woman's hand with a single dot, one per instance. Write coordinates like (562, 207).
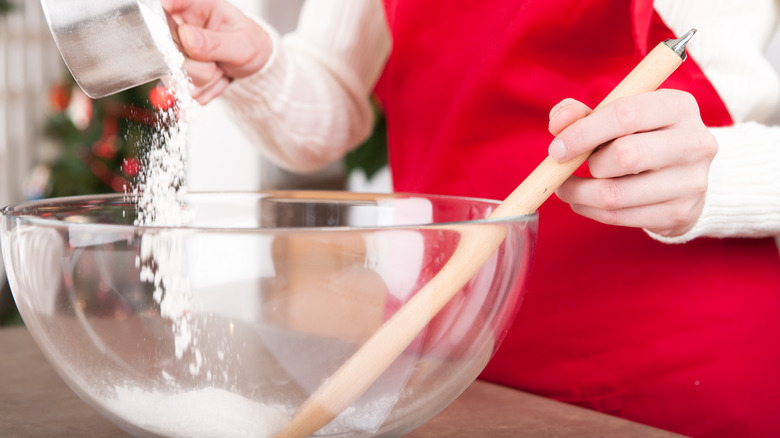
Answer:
(652, 167)
(220, 42)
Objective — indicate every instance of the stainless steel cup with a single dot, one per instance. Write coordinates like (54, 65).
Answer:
(109, 45)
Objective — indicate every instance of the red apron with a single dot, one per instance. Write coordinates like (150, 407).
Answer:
(682, 337)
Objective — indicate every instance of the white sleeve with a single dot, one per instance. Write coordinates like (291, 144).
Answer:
(743, 197)
(310, 104)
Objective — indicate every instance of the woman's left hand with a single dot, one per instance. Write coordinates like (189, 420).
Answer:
(651, 168)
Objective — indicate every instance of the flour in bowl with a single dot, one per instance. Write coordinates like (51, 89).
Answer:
(208, 412)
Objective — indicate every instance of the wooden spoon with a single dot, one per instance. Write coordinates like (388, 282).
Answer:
(358, 373)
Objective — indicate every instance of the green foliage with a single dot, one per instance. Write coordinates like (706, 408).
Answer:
(94, 140)
(11, 318)
(371, 156)
(5, 6)
(8, 313)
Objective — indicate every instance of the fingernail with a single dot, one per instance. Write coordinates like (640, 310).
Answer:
(555, 110)
(191, 38)
(557, 150)
(560, 106)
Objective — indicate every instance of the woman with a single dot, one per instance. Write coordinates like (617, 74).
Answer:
(657, 278)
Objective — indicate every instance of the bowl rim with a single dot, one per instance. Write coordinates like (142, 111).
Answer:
(13, 211)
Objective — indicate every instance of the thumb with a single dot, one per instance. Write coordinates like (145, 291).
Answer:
(193, 41)
(234, 51)
(212, 46)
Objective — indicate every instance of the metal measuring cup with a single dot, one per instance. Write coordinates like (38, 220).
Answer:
(109, 45)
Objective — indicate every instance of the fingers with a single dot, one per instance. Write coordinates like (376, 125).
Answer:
(201, 73)
(635, 190)
(196, 12)
(208, 80)
(657, 201)
(170, 5)
(173, 6)
(634, 154)
(669, 219)
(210, 91)
(565, 113)
(240, 52)
(197, 43)
(624, 116)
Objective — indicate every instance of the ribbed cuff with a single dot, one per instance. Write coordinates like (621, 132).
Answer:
(269, 77)
(743, 197)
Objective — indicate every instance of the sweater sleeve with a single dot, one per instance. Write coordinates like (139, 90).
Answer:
(310, 104)
(743, 196)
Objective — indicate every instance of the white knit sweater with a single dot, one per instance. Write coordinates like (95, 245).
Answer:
(310, 104)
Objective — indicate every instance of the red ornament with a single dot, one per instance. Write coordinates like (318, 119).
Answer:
(119, 184)
(101, 170)
(59, 98)
(104, 149)
(162, 98)
(131, 167)
(110, 126)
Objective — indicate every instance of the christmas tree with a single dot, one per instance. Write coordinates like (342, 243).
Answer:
(94, 145)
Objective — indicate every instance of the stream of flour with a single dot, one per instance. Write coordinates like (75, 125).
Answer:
(159, 193)
(204, 411)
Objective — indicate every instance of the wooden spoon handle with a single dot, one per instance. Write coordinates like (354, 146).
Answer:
(475, 247)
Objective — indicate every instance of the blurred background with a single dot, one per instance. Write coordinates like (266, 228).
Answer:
(54, 141)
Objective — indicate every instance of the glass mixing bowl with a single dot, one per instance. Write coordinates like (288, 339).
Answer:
(224, 327)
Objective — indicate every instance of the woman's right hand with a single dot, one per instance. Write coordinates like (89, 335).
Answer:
(220, 42)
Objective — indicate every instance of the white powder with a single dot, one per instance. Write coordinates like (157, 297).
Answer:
(159, 194)
(369, 418)
(161, 262)
(162, 181)
(208, 412)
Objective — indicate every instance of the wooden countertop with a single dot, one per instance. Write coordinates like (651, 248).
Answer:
(34, 402)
